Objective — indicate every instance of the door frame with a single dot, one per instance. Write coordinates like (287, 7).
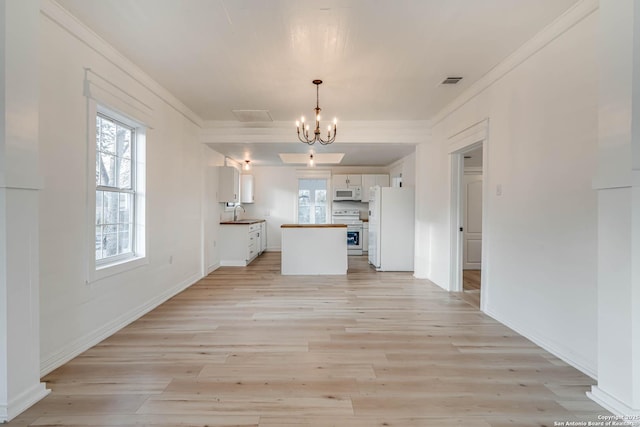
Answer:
(460, 143)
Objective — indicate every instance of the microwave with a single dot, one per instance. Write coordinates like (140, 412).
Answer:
(351, 193)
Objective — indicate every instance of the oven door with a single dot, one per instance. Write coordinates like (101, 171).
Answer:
(354, 237)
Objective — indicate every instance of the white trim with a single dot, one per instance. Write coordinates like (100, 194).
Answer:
(613, 405)
(410, 132)
(314, 173)
(59, 15)
(213, 267)
(557, 28)
(23, 401)
(232, 263)
(468, 139)
(96, 271)
(84, 343)
(554, 348)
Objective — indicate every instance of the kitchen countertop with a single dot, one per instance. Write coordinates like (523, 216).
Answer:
(313, 226)
(242, 222)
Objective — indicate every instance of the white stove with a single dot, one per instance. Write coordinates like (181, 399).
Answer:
(351, 217)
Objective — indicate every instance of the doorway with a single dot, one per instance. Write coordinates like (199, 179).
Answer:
(468, 183)
(471, 204)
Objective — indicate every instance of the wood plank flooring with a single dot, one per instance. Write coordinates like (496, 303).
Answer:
(471, 280)
(249, 347)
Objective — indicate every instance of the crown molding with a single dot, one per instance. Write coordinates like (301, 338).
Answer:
(59, 15)
(400, 132)
(573, 16)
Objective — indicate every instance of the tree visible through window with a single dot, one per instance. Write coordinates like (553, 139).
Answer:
(312, 201)
(115, 189)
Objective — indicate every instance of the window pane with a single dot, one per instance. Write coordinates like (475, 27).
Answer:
(107, 165)
(107, 141)
(321, 197)
(98, 167)
(321, 215)
(124, 238)
(124, 142)
(109, 241)
(110, 207)
(99, 210)
(304, 197)
(125, 213)
(98, 243)
(304, 215)
(124, 173)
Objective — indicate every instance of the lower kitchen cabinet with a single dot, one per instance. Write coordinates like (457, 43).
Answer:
(240, 243)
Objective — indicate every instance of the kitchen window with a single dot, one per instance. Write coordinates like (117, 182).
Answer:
(312, 201)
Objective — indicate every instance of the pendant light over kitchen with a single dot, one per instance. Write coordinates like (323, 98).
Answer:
(304, 135)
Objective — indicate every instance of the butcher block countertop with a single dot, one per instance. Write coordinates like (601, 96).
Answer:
(243, 222)
(313, 226)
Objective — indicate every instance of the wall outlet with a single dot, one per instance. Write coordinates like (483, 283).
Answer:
(170, 259)
(499, 190)
(214, 243)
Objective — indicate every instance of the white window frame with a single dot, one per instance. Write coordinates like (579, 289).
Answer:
(97, 270)
(315, 174)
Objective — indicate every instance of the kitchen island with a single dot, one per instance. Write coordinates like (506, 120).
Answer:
(314, 249)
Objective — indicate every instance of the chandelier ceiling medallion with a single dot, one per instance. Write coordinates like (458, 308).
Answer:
(304, 135)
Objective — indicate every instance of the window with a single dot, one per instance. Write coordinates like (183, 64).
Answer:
(115, 179)
(312, 201)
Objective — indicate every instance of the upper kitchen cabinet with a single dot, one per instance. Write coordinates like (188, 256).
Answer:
(246, 189)
(346, 181)
(229, 185)
(372, 180)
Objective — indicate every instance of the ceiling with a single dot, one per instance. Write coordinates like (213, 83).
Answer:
(266, 154)
(379, 59)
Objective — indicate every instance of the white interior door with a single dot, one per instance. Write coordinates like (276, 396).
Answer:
(472, 221)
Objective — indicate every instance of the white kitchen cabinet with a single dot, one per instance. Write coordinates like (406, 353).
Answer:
(371, 180)
(246, 189)
(228, 184)
(346, 181)
(239, 243)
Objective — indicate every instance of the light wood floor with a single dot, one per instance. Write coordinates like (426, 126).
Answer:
(471, 280)
(248, 347)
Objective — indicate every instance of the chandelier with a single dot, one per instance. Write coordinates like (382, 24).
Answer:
(304, 135)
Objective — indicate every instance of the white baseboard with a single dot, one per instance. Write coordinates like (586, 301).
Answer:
(84, 343)
(559, 351)
(232, 263)
(213, 267)
(22, 402)
(621, 410)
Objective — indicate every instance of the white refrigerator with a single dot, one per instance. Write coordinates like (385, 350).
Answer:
(391, 228)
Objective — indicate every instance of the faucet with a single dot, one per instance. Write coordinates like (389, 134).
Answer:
(235, 212)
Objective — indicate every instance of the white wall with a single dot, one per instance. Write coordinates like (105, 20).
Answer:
(405, 168)
(541, 233)
(276, 195)
(74, 314)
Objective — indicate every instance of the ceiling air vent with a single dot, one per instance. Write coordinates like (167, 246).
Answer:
(252, 115)
(451, 80)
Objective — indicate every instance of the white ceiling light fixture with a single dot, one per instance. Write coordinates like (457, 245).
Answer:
(316, 132)
(247, 165)
(311, 162)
